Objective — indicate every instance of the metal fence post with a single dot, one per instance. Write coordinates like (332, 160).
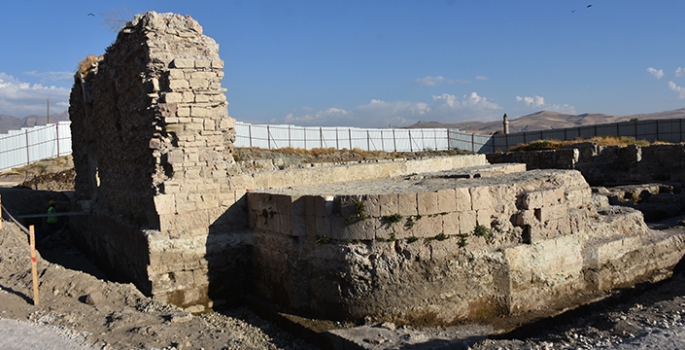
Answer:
(249, 133)
(349, 133)
(57, 137)
(394, 140)
(321, 136)
(411, 147)
(28, 156)
(268, 136)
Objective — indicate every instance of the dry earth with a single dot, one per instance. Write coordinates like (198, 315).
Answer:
(90, 311)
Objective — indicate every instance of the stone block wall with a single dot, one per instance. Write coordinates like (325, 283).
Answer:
(153, 151)
(604, 165)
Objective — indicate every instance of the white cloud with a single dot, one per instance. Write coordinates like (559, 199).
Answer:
(679, 72)
(320, 117)
(429, 81)
(19, 99)
(679, 89)
(481, 77)
(656, 73)
(51, 76)
(445, 108)
(538, 103)
(535, 101)
(433, 81)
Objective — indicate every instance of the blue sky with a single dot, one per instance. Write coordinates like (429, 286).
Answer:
(378, 63)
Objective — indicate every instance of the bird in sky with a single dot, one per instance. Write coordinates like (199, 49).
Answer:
(588, 6)
(91, 14)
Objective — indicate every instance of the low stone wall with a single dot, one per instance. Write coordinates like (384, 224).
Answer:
(604, 165)
(408, 249)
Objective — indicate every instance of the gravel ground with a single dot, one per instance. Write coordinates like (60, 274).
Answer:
(79, 305)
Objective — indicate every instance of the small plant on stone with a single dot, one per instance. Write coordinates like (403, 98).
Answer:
(411, 221)
(393, 237)
(323, 240)
(392, 219)
(359, 213)
(441, 236)
(482, 231)
(412, 239)
(360, 210)
(267, 215)
(462, 240)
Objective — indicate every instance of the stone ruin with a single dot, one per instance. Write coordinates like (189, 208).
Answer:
(437, 240)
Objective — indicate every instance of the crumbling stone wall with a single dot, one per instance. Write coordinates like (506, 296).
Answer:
(445, 248)
(153, 149)
(606, 165)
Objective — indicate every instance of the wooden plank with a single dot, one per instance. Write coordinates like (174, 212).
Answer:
(34, 267)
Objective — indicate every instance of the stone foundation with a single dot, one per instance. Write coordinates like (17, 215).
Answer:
(414, 249)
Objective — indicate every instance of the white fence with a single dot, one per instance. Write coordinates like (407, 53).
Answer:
(28, 145)
(389, 140)
(669, 130)
(22, 147)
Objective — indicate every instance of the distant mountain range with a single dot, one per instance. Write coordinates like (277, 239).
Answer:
(8, 122)
(544, 120)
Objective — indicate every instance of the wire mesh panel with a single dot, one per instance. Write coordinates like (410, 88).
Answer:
(647, 130)
(554, 134)
(401, 139)
(483, 143)
(28, 145)
(13, 149)
(627, 129)
(669, 130)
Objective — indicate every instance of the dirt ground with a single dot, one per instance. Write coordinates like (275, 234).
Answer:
(79, 299)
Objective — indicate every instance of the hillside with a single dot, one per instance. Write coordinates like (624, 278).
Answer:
(8, 122)
(549, 120)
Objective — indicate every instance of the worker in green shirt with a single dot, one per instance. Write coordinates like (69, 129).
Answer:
(52, 219)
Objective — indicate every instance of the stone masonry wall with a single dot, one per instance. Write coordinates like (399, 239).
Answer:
(153, 150)
(409, 250)
(603, 165)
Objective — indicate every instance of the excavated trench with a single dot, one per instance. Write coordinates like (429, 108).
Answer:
(661, 203)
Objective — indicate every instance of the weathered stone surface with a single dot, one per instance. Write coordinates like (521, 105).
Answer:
(151, 188)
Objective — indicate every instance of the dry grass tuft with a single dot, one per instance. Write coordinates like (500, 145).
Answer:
(86, 64)
(541, 145)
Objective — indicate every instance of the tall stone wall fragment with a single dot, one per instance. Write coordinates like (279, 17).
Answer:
(153, 149)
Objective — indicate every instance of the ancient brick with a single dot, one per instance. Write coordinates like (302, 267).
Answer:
(463, 198)
(447, 201)
(407, 204)
(388, 204)
(543, 198)
(183, 63)
(427, 203)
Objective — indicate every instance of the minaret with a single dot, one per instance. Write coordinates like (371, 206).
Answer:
(505, 123)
